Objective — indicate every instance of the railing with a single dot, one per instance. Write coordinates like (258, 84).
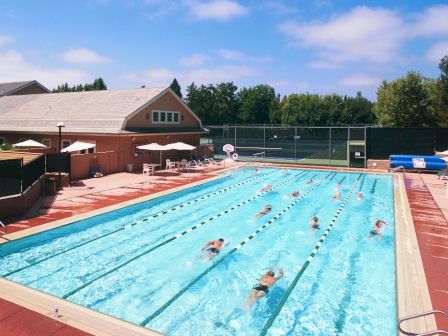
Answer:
(427, 333)
(3, 228)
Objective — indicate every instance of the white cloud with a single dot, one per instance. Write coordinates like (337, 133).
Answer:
(194, 60)
(279, 8)
(372, 34)
(437, 51)
(324, 65)
(164, 76)
(235, 55)
(433, 21)
(82, 55)
(360, 80)
(221, 10)
(5, 39)
(14, 67)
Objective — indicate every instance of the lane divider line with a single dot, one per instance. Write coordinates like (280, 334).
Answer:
(161, 213)
(310, 258)
(88, 283)
(233, 250)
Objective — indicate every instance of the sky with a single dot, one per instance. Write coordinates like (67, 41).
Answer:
(296, 46)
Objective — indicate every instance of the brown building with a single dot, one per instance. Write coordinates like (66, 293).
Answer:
(22, 88)
(116, 121)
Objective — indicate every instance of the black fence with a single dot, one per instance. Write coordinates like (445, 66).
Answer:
(10, 177)
(333, 146)
(382, 142)
(16, 177)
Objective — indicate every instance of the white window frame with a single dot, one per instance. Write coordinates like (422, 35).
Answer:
(4, 140)
(48, 140)
(165, 113)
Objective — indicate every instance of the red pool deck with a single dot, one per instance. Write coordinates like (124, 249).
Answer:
(429, 208)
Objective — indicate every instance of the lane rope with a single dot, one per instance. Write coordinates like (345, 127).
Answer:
(161, 213)
(180, 234)
(236, 248)
(310, 258)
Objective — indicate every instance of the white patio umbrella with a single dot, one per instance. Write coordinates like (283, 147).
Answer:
(78, 146)
(154, 146)
(179, 146)
(29, 143)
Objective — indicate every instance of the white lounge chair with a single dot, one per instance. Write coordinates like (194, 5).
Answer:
(147, 169)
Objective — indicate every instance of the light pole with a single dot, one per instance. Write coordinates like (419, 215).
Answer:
(60, 125)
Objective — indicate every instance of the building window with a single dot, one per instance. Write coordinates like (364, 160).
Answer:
(66, 143)
(165, 117)
(2, 141)
(90, 150)
(46, 142)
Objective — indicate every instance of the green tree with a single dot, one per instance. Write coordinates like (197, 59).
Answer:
(304, 109)
(357, 110)
(176, 88)
(405, 102)
(440, 93)
(257, 104)
(98, 84)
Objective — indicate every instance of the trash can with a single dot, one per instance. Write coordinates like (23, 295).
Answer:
(50, 186)
(130, 167)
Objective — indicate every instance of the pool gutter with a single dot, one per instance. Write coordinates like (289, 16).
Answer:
(412, 288)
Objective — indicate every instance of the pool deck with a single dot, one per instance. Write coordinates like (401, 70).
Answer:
(428, 210)
(428, 200)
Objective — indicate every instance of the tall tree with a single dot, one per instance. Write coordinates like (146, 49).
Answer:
(176, 87)
(357, 110)
(98, 84)
(256, 104)
(441, 93)
(405, 102)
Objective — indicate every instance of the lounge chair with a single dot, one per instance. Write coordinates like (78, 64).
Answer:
(212, 161)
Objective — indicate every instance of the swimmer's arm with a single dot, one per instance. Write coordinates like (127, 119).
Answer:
(206, 244)
(280, 275)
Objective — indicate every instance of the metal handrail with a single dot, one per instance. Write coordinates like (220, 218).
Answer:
(427, 333)
(3, 227)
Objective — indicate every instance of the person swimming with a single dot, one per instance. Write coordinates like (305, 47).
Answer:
(262, 288)
(213, 247)
(284, 170)
(377, 228)
(337, 196)
(314, 222)
(267, 209)
(309, 181)
(294, 194)
(266, 188)
(359, 196)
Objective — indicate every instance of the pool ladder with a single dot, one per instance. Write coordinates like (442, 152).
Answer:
(3, 227)
(427, 333)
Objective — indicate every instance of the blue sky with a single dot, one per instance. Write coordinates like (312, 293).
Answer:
(317, 46)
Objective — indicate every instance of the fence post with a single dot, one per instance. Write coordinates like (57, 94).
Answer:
(329, 149)
(21, 175)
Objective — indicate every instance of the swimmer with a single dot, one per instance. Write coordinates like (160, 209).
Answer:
(359, 196)
(257, 170)
(213, 248)
(337, 196)
(284, 170)
(309, 181)
(377, 227)
(262, 288)
(267, 188)
(294, 194)
(339, 186)
(267, 209)
(314, 222)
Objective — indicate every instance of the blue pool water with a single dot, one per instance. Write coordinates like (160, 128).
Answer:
(143, 263)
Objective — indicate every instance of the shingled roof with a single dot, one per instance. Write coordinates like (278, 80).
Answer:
(8, 88)
(83, 112)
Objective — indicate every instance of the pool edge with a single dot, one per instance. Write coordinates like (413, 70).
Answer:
(412, 289)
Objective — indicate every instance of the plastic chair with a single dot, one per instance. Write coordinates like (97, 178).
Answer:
(170, 165)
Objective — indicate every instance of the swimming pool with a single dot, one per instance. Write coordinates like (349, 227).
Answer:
(143, 263)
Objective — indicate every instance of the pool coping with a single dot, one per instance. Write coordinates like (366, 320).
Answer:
(412, 289)
(412, 294)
